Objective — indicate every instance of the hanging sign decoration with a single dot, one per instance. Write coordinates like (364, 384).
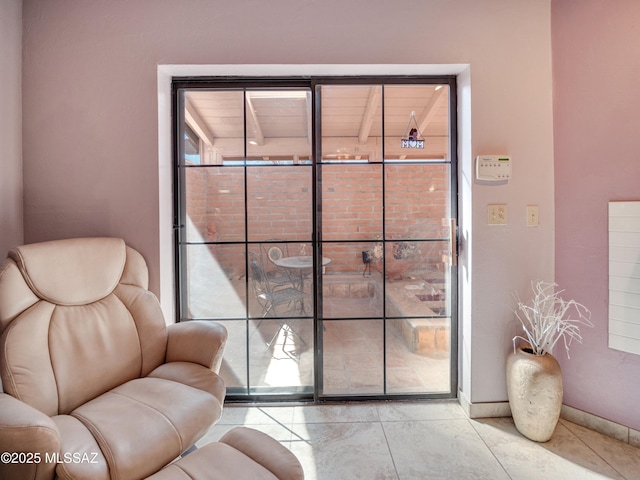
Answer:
(412, 137)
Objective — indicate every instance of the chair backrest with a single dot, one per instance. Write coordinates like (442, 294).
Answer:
(257, 274)
(76, 319)
(273, 250)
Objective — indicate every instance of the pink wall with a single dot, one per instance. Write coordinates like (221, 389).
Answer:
(11, 230)
(596, 67)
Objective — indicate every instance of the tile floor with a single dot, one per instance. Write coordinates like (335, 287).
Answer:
(429, 440)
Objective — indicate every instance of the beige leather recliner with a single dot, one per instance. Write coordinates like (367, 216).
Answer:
(96, 386)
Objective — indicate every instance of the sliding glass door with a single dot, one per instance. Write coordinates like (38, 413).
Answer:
(315, 219)
(386, 201)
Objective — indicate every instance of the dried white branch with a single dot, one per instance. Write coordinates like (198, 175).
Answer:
(548, 318)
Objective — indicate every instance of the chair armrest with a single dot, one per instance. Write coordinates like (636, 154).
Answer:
(23, 429)
(197, 341)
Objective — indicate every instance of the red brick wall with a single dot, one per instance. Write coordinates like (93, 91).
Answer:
(352, 202)
(279, 203)
(196, 203)
(279, 206)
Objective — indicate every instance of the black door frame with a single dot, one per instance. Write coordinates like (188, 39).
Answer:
(180, 84)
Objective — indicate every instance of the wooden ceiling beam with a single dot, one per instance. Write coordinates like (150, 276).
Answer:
(373, 102)
(258, 135)
(430, 109)
(197, 124)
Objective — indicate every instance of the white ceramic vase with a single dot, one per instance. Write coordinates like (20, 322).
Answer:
(534, 386)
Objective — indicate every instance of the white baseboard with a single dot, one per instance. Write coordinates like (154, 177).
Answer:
(601, 425)
(484, 410)
(585, 419)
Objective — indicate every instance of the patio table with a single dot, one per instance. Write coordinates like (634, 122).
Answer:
(301, 264)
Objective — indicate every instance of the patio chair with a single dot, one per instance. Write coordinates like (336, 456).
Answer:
(270, 253)
(276, 301)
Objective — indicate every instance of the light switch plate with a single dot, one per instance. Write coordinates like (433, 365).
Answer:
(532, 216)
(497, 214)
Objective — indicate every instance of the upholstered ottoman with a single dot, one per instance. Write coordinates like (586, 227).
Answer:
(241, 454)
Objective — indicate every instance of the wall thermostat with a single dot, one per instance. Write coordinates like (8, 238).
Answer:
(493, 168)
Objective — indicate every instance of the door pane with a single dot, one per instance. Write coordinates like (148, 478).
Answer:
(215, 207)
(280, 280)
(351, 122)
(278, 126)
(281, 356)
(351, 202)
(279, 203)
(424, 108)
(417, 200)
(418, 355)
(217, 116)
(351, 286)
(215, 281)
(418, 268)
(353, 357)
